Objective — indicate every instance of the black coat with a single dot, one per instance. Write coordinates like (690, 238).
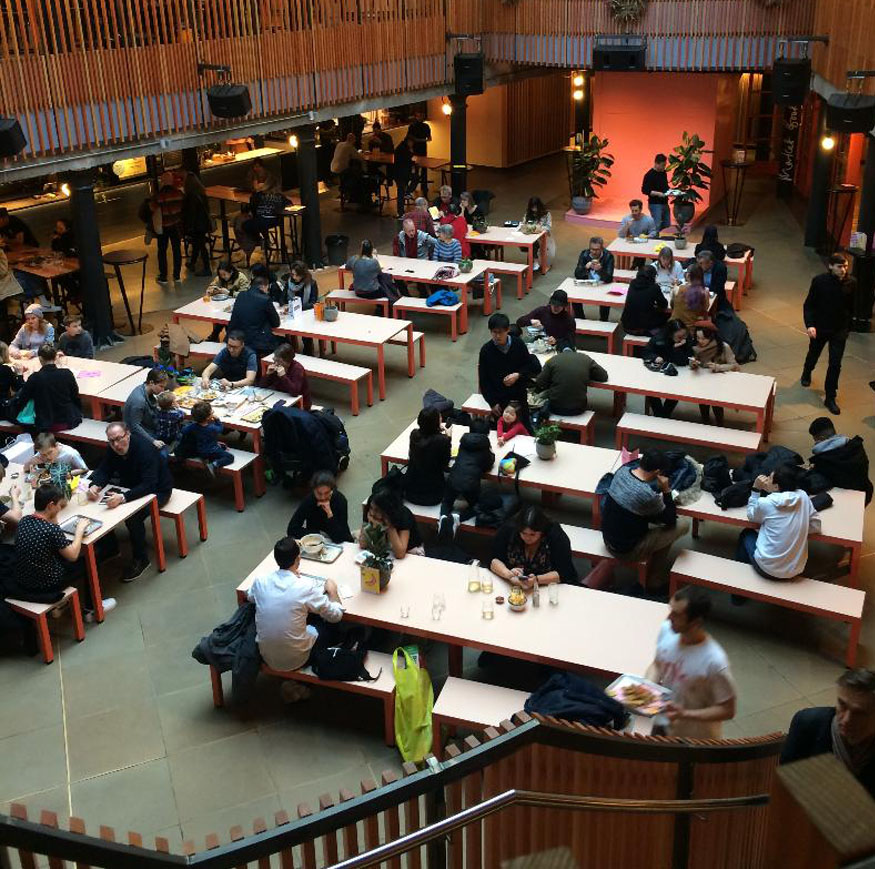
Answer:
(606, 275)
(474, 459)
(810, 734)
(663, 347)
(494, 365)
(573, 698)
(143, 470)
(719, 273)
(846, 466)
(55, 395)
(310, 518)
(254, 315)
(645, 309)
(424, 478)
(829, 305)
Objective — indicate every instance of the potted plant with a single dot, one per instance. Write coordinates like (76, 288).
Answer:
(589, 168)
(688, 175)
(376, 569)
(546, 436)
(329, 314)
(466, 264)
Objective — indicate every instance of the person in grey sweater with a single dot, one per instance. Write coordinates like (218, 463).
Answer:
(141, 406)
(368, 280)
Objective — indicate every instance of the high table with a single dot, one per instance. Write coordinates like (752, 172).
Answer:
(575, 470)
(119, 258)
(43, 263)
(588, 630)
(505, 236)
(111, 519)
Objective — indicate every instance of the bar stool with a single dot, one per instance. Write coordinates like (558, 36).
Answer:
(126, 257)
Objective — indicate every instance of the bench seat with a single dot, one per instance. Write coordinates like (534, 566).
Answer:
(38, 612)
(89, 431)
(624, 276)
(476, 705)
(681, 431)
(383, 687)
(242, 461)
(180, 501)
(806, 595)
(200, 350)
(598, 329)
(416, 338)
(630, 342)
(342, 298)
(476, 405)
(458, 313)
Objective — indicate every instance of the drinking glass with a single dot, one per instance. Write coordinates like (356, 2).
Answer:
(474, 576)
(553, 592)
(488, 610)
(436, 608)
(405, 611)
(486, 581)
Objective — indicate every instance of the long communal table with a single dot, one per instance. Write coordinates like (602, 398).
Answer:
(588, 630)
(611, 295)
(506, 236)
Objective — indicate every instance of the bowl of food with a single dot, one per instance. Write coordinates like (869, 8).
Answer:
(517, 600)
(312, 545)
(221, 297)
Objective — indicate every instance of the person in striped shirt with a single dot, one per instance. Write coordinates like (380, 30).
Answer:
(447, 249)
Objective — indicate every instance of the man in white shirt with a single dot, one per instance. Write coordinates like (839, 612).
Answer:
(291, 611)
(693, 665)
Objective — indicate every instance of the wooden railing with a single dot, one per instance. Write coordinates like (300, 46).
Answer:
(544, 755)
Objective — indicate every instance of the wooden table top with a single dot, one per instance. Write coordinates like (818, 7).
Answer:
(424, 270)
(612, 295)
(51, 264)
(125, 256)
(588, 629)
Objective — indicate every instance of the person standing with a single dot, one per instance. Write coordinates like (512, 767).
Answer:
(197, 224)
(693, 665)
(420, 132)
(256, 317)
(167, 211)
(655, 188)
(402, 172)
(827, 313)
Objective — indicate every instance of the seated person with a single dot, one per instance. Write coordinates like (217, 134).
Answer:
(842, 460)
(386, 509)
(75, 341)
(368, 279)
(714, 274)
(34, 332)
(54, 392)
(473, 460)
(141, 406)
(690, 301)
(266, 209)
(444, 199)
(505, 368)
(636, 223)
(200, 439)
(15, 231)
(11, 379)
(235, 364)
(846, 730)
(322, 511)
(169, 418)
(637, 498)
(276, 290)
(509, 425)
(711, 242)
(646, 307)
(302, 284)
(429, 459)
(455, 219)
(778, 549)
(532, 548)
(712, 352)
(554, 318)
(671, 345)
(669, 272)
(595, 263)
(256, 317)
(10, 515)
(286, 374)
(379, 140)
(346, 159)
(471, 211)
(51, 455)
(564, 378)
(412, 242)
(293, 613)
(447, 249)
(420, 216)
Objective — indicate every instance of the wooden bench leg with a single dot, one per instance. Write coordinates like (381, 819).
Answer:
(369, 381)
(239, 501)
(354, 397)
(218, 690)
(76, 613)
(672, 584)
(497, 295)
(389, 720)
(618, 439)
(44, 638)
(853, 642)
(422, 352)
(695, 529)
(258, 482)
(463, 318)
(641, 570)
(454, 660)
(436, 736)
(519, 285)
(202, 517)
(610, 343)
(454, 334)
(181, 541)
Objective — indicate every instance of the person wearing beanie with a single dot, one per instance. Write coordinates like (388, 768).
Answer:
(555, 318)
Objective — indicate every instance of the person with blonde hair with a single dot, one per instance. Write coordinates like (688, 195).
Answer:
(34, 332)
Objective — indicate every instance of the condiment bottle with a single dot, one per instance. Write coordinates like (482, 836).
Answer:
(536, 594)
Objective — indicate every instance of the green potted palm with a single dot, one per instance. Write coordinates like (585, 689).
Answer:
(376, 569)
(589, 168)
(688, 175)
(546, 436)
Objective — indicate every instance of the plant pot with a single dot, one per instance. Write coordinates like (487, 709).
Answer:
(330, 315)
(683, 211)
(680, 242)
(545, 451)
(465, 266)
(581, 204)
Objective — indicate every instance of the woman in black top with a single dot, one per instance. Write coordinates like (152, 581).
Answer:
(386, 509)
(55, 395)
(532, 548)
(646, 306)
(471, 211)
(323, 511)
(672, 344)
(429, 460)
(711, 242)
(10, 381)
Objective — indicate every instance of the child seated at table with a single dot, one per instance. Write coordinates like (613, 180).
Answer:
(200, 439)
(168, 419)
(75, 341)
(509, 425)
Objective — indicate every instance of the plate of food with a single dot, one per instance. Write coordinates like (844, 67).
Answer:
(639, 695)
(221, 297)
(187, 402)
(208, 395)
(517, 599)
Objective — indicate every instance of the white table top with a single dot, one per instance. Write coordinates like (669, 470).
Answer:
(348, 327)
(215, 312)
(92, 375)
(576, 469)
(588, 629)
(648, 248)
(611, 295)
(423, 269)
(504, 235)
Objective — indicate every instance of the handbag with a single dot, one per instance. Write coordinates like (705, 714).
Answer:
(414, 699)
(342, 664)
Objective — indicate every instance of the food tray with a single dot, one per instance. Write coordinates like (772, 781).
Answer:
(254, 416)
(330, 552)
(660, 695)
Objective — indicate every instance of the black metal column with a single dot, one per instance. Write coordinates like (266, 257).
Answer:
(459, 144)
(815, 218)
(95, 292)
(866, 216)
(308, 177)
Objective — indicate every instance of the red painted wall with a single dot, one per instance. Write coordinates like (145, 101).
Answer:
(643, 113)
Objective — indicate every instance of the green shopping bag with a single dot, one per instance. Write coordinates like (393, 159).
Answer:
(414, 699)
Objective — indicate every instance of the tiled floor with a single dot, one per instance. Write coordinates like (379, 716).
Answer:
(121, 730)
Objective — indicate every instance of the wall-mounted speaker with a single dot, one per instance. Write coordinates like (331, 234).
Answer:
(469, 74)
(791, 80)
(619, 54)
(12, 139)
(850, 113)
(229, 100)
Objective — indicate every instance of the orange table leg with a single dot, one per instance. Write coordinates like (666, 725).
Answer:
(93, 580)
(369, 381)
(202, 517)
(160, 556)
(76, 612)
(381, 372)
(487, 296)
(411, 359)
(239, 501)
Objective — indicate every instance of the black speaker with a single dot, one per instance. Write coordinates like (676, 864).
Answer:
(619, 54)
(12, 139)
(850, 113)
(229, 100)
(791, 80)
(469, 74)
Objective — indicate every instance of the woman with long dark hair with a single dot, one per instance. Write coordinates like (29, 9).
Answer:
(368, 279)
(538, 214)
(386, 508)
(712, 352)
(711, 242)
(429, 460)
(672, 344)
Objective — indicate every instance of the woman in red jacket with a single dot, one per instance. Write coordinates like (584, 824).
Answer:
(286, 374)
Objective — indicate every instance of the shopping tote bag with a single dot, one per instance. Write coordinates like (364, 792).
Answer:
(413, 702)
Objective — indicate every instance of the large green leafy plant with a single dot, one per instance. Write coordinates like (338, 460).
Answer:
(590, 167)
(688, 173)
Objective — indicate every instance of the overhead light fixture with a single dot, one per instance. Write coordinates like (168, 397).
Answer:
(577, 81)
(293, 141)
(827, 143)
(578, 95)
(446, 108)
(65, 189)
(12, 140)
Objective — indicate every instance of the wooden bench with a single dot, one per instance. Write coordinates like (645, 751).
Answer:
(39, 612)
(624, 276)
(383, 687)
(340, 372)
(475, 705)
(89, 431)
(407, 304)
(200, 350)
(512, 269)
(180, 501)
(242, 461)
(806, 595)
(630, 342)
(342, 298)
(476, 405)
(681, 431)
(598, 329)
(416, 338)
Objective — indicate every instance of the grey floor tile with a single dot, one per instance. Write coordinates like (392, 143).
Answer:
(56, 799)
(172, 668)
(310, 792)
(189, 719)
(114, 681)
(177, 616)
(32, 761)
(220, 822)
(35, 695)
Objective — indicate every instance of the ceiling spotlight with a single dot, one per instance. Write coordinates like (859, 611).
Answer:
(447, 109)
(577, 81)
(293, 141)
(578, 95)
(827, 143)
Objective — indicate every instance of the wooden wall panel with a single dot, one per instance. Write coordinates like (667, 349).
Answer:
(538, 117)
(850, 25)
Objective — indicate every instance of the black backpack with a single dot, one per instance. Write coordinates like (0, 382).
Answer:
(393, 482)
(493, 508)
(336, 430)
(342, 664)
(736, 495)
(715, 474)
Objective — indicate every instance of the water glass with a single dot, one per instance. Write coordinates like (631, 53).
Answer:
(553, 592)
(436, 608)
(486, 582)
(474, 577)
(488, 610)
(405, 611)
